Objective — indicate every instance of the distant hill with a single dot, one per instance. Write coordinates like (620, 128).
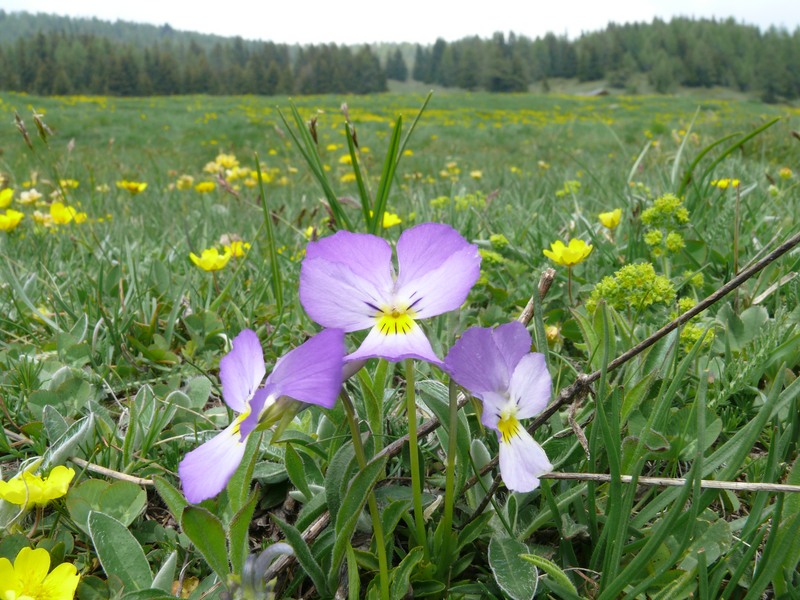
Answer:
(47, 54)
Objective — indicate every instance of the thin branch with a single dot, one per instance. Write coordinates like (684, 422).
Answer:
(110, 472)
(737, 486)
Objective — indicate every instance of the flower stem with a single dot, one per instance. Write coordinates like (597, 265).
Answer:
(377, 526)
(449, 480)
(416, 479)
(569, 284)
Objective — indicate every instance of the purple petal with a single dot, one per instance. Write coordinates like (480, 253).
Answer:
(312, 372)
(336, 296)
(242, 370)
(522, 462)
(513, 341)
(368, 256)
(531, 385)
(437, 268)
(476, 363)
(396, 347)
(483, 359)
(206, 470)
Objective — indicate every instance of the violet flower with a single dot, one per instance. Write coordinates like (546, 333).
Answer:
(348, 281)
(310, 373)
(497, 367)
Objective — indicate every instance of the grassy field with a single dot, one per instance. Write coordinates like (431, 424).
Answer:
(112, 338)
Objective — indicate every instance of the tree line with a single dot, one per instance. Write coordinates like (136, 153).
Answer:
(81, 56)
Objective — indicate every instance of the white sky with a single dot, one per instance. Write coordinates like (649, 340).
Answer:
(420, 21)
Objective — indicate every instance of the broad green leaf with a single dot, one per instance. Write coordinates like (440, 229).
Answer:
(166, 574)
(516, 576)
(297, 472)
(208, 535)
(119, 552)
(122, 500)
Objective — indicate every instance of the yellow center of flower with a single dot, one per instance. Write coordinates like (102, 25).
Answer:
(508, 425)
(397, 319)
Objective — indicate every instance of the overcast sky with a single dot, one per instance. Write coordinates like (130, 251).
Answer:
(421, 21)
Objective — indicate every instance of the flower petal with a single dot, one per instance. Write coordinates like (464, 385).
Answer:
(242, 370)
(206, 470)
(263, 398)
(31, 567)
(334, 295)
(61, 583)
(437, 268)
(522, 462)
(396, 347)
(312, 372)
(483, 359)
(531, 385)
(493, 404)
(367, 256)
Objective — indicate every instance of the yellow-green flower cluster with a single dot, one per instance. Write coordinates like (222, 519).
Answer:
(570, 187)
(498, 240)
(692, 330)
(663, 219)
(634, 286)
(461, 203)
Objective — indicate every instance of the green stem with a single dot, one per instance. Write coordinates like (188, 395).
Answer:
(416, 478)
(449, 479)
(569, 284)
(377, 526)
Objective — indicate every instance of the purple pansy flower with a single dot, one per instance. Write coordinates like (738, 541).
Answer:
(348, 281)
(497, 366)
(311, 373)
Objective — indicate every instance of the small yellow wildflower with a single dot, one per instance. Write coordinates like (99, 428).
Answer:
(210, 259)
(476, 174)
(543, 165)
(27, 489)
(724, 184)
(237, 248)
(611, 219)
(309, 232)
(30, 196)
(552, 333)
(102, 188)
(184, 182)
(345, 159)
(785, 173)
(6, 196)
(69, 183)
(10, 220)
(332, 147)
(28, 577)
(226, 161)
(134, 187)
(408, 152)
(347, 178)
(205, 187)
(62, 214)
(389, 219)
(498, 240)
(568, 256)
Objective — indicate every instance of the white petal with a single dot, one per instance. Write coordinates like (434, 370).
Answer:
(396, 347)
(531, 386)
(522, 462)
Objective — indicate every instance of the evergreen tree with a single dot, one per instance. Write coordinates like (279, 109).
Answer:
(396, 67)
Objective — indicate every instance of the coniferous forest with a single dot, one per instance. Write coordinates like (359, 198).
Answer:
(49, 55)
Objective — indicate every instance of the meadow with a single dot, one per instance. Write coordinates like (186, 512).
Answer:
(139, 237)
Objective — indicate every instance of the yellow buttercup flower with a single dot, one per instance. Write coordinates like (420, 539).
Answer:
(389, 219)
(134, 187)
(237, 248)
(205, 186)
(785, 173)
(610, 219)
(62, 214)
(476, 174)
(27, 489)
(210, 259)
(185, 182)
(6, 196)
(28, 577)
(10, 220)
(568, 256)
